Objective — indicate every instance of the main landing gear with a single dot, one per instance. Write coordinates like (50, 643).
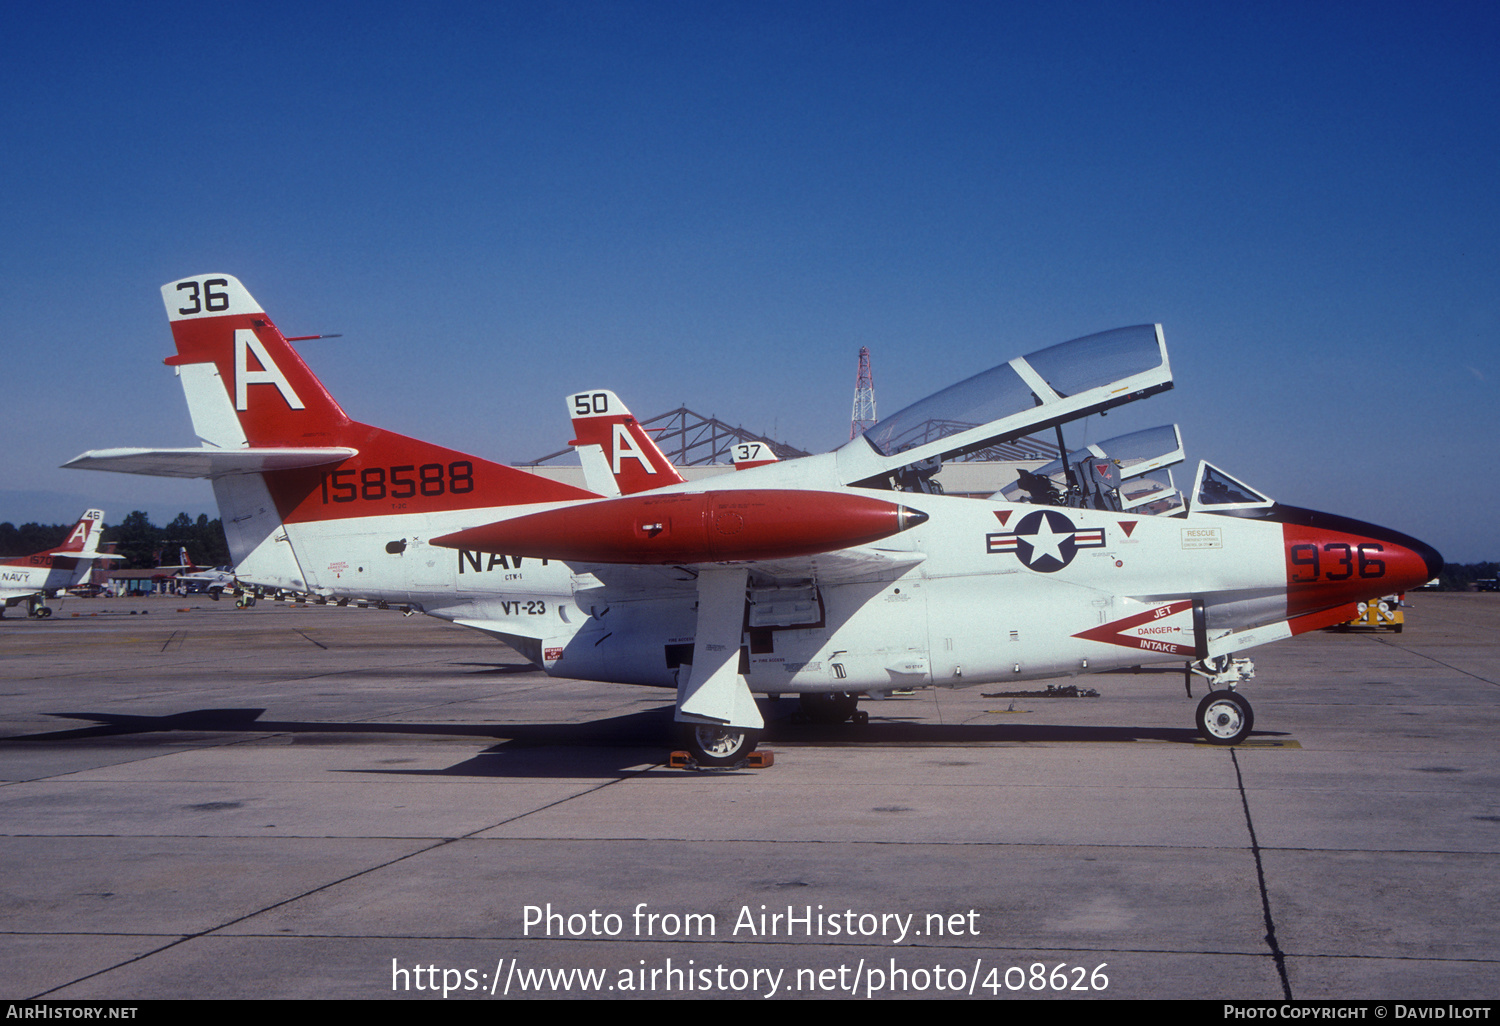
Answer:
(713, 745)
(832, 707)
(1225, 717)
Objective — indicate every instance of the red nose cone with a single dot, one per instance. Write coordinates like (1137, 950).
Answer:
(1333, 561)
(702, 527)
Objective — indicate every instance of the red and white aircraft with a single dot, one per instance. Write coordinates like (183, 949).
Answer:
(620, 458)
(31, 578)
(213, 580)
(829, 576)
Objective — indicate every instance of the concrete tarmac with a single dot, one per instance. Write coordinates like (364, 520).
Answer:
(322, 802)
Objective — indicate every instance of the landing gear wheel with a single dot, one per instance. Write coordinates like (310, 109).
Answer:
(829, 706)
(712, 745)
(1225, 718)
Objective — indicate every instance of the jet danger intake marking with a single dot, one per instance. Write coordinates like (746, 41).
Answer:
(1045, 541)
(1167, 628)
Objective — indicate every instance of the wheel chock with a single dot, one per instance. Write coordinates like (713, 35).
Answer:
(755, 760)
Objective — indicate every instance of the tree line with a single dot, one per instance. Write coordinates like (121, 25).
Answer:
(142, 543)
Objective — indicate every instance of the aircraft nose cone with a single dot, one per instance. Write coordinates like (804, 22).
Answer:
(1431, 557)
(1333, 560)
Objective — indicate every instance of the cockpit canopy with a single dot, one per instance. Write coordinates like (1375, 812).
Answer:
(1048, 388)
(1129, 473)
(1045, 388)
(1030, 386)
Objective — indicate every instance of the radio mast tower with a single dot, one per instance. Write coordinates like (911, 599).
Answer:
(864, 396)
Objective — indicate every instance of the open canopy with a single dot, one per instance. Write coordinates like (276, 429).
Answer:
(1042, 389)
(1126, 473)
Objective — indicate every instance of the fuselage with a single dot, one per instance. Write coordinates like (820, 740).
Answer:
(1004, 593)
(40, 572)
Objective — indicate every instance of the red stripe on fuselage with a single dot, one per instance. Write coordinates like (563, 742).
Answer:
(394, 474)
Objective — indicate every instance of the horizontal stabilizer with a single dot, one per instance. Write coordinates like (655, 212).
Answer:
(207, 462)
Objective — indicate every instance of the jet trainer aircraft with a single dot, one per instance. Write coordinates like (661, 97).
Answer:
(30, 578)
(213, 580)
(829, 576)
(620, 458)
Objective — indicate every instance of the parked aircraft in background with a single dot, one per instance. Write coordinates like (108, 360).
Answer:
(619, 457)
(213, 580)
(829, 576)
(32, 578)
(748, 455)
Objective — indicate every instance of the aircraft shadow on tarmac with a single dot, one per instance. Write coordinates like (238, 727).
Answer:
(598, 746)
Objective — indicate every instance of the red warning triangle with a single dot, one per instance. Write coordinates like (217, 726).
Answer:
(1003, 515)
(1127, 526)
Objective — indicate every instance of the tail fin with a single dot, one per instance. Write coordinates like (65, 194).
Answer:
(248, 389)
(618, 456)
(276, 398)
(83, 541)
(753, 454)
(79, 552)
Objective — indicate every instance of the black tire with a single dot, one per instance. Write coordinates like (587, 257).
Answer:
(712, 745)
(828, 706)
(1225, 718)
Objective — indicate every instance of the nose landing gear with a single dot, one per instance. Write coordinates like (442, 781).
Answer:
(1225, 718)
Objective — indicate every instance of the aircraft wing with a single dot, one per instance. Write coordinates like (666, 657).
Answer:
(207, 461)
(842, 566)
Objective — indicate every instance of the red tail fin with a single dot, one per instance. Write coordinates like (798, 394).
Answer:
(259, 383)
(633, 458)
(83, 537)
(275, 396)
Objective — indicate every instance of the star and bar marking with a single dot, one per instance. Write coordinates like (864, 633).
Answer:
(1044, 540)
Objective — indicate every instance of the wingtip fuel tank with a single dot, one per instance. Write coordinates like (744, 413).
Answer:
(703, 527)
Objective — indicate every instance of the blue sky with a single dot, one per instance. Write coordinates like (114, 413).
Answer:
(717, 204)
